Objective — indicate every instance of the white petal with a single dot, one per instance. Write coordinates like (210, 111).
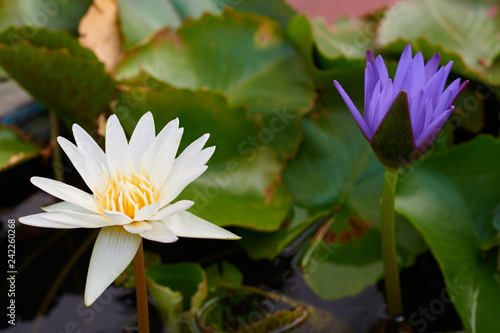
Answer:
(171, 128)
(117, 218)
(91, 220)
(197, 159)
(138, 227)
(85, 165)
(185, 224)
(66, 192)
(194, 147)
(114, 249)
(159, 233)
(172, 209)
(59, 220)
(117, 147)
(64, 206)
(164, 157)
(175, 183)
(141, 139)
(88, 146)
(146, 212)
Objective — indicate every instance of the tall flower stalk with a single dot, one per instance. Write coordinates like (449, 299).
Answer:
(141, 290)
(389, 255)
(401, 120)
(134, 185)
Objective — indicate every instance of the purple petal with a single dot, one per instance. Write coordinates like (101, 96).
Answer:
(370, 59)
(447, 97)
(429, 134)
(446, 70)
(417, 114)
(434, 87)
(418, 69)
(385, 101)
(432, 66)
(373, 107)
(354, 111)
(369, 85)
(442, 106)
(407, 81)
(403, 64)
(459, 90)
(429, 112)
(453, 87)
(381, 68)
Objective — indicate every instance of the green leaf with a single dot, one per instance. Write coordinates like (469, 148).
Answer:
(278, 10)
(338, 163)
(349, 72)
(14, 149)
(336, 171)
(450, 199)
(251, 309)
(44, 38)
(224, 275)
(59, 73)
(345, 255)
(466, 30)
(141, 19)
(343, 43)
(241, 55)
(176, 288)
(272, 244)
(393, 141)
(242, 185)
(54, 15)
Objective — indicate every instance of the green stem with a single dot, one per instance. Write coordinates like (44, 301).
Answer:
(389, 256)
(141, 290)
(57, 165)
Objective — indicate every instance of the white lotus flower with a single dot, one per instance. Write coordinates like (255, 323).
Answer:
(133, 185)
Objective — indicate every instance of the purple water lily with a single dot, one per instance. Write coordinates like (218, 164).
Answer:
(424, 99)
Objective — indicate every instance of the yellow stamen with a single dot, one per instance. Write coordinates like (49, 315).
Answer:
(126, 194)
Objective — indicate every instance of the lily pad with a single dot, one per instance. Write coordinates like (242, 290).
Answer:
(344, 42)
(336, 52)
(349, 73)
(57, 72)
(451, 200)
(278, 10)
(14, 149)
(43, 37)
(241, 55)
(242, 185)
(432, 25)
(142, 19)
(54, 15)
